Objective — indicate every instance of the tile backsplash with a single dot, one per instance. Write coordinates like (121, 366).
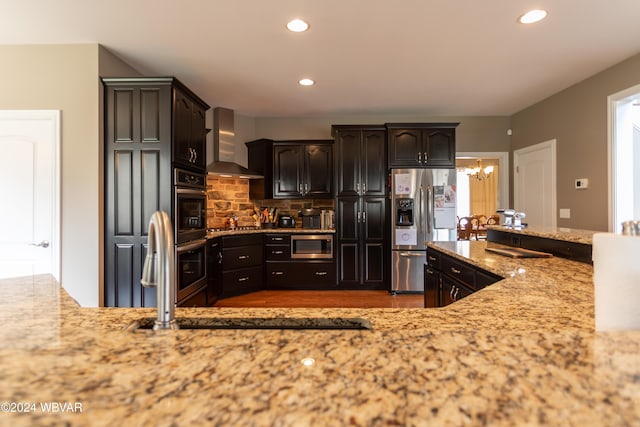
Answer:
(230, 196)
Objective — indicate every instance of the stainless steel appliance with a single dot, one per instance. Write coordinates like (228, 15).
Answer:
(190, 198)
(423, 208)
(311, 246)
(190, 269)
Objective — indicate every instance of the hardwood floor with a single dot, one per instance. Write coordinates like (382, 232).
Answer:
(323, 299)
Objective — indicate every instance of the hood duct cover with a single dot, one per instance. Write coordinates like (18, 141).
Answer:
(224, 148)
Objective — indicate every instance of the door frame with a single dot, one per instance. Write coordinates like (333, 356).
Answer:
(503, 171)
(612, 103)
(550, 144)
(53, 117)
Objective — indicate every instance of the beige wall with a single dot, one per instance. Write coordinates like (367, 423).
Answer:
(577, 119)
(65, 78)
(473, 133)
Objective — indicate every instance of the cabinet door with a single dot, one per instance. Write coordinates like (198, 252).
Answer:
(373, 247)
(405, 147)
(373, 170)
(198, 138)
(214, 270)
(349, 257)
(287, 171)
(318, 170)
(182, 118)
(348, 160)
(439, 147)
(431, 287)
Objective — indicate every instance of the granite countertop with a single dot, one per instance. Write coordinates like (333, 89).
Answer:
(219, 233)
(520, 352)
(557, 233)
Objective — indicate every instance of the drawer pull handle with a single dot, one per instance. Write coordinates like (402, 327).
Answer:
(321, 273)
(432, 258)
(277, 273)
(277, 239)
(453, 270)
(243, 257)
(277, 252)
(243, 279)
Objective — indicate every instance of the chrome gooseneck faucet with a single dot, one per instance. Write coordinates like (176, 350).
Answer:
(159, 269)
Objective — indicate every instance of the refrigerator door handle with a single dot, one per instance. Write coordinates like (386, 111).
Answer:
(411, 254)
(420, 211)
(429, 209)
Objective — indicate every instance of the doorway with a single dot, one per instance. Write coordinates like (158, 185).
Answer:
(624, 157)
(498, 159)
(535, 183)
(30, 193)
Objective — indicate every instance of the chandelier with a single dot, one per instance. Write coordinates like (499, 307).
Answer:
(479, 173)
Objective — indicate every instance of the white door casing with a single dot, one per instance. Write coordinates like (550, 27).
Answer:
(535, 183)
(29, 193)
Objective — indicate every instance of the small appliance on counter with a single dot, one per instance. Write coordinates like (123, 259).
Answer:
(286, 221)
(310, 218)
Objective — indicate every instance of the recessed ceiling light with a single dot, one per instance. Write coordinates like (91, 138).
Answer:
(533, 16)
(306, 82)
(297, 25)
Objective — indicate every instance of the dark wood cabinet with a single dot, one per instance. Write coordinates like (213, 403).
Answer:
(361, 207)
(291, 169)
(189, 141)
(360, 155)
(283, 272)
(448, 279)
(214, 270)
(361, 177)
(141, 127)
(431, 287)
(241, 264)
(421, 145)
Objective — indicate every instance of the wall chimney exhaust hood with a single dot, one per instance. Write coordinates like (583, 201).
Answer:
(224, 148)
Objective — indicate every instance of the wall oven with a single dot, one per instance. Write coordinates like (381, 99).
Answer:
(191, 268)
(190, 198)
(312, 246)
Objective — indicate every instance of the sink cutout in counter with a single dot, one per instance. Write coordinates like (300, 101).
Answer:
(354, 323)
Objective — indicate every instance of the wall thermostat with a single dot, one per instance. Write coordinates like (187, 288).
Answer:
(582, 183)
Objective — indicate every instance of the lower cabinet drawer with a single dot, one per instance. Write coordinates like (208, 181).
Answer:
(301, 275)
(238, 282)
(459, 270)
(243, 256)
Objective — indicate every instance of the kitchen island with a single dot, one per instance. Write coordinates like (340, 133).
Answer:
(522, 351)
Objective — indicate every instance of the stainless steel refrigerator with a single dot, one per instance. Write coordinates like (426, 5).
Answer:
(423, 208)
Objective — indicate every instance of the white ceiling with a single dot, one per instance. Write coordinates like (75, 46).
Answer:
(431, 57)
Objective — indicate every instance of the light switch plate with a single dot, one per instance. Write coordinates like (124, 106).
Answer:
(582, 183)
(565, 213)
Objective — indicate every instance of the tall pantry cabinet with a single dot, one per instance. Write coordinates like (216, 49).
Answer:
(150, 125)
(361, 208)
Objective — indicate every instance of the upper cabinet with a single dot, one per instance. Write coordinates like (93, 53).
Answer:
(189, 132)
(291, 169)
(422, 145)
(360, 159)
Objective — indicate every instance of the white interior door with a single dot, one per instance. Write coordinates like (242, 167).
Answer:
(535, 183)
(29, 189)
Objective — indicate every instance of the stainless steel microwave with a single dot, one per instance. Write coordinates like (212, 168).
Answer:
(312, 246)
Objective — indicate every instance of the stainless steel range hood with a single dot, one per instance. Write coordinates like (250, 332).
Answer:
(224, 148)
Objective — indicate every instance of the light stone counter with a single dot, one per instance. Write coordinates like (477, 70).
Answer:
(521, 352)
(575, 235)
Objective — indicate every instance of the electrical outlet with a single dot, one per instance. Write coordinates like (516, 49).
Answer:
(582, 183)
(565, 213)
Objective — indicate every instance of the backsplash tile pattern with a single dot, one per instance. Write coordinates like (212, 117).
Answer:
(230, 196)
